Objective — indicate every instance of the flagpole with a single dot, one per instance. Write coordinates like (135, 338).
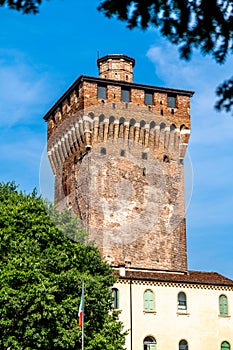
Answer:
(83, 315)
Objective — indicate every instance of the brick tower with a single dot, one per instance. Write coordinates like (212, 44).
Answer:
(116, 149)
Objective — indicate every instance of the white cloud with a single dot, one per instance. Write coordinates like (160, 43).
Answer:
(23, 88)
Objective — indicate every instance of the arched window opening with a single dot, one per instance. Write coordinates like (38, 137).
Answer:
(152, 125)
(149, 343)
(132, 122)
(101, 118)
(183, 345)
(122, 120)
(182, 301)
(172, 127)
(111, 120)
(142, 123)
(162, 126)
(223, 305)
(165, 159)
(115, 297)
(182, 127)
(149, 302)
(225, 346)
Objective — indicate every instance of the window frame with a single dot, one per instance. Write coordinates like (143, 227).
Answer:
(183, 346)
(223, 305)
(123, 92)
(148, 98)
(182, 304)
(148, 302)
(115, 298)
(100, 89)
(149, 343)
(223, 343)
(172, 101)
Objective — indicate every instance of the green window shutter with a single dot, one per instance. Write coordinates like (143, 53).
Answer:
(223, 305)
(148, 300)
(117, 299)
(152, 346)
(225, 346)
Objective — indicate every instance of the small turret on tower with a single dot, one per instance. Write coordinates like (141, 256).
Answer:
(116, 67)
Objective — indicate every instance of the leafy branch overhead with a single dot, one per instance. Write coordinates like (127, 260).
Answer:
(206, 25)
(203, 24)
(24, 6)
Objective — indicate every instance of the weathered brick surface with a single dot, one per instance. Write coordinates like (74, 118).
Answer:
(116, 67)
(118, 166)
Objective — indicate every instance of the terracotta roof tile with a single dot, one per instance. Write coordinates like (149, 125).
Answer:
(194, 277)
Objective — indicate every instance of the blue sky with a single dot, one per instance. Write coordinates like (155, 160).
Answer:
(40, 56)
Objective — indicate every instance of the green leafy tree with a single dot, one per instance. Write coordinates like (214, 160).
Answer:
(41, 273)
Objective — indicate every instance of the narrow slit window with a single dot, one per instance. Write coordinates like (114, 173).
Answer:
(115, 297)
(103, 151)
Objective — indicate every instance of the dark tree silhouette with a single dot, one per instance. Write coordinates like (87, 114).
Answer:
(25, 6)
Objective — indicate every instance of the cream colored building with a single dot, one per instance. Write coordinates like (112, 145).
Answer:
(175, 311)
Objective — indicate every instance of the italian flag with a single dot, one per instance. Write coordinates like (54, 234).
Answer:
(80, 313)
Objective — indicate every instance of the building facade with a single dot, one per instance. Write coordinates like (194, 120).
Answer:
(116, 149)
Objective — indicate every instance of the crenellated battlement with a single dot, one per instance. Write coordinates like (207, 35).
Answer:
(173, 105)
(80, 133)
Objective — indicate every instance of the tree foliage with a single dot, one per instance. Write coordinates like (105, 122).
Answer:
(41, 273)
(25, 6)
(203, 24)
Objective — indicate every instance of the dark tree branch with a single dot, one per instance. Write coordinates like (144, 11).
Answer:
(225, 93)
(203, 24)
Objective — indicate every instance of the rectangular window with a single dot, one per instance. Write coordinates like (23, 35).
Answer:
(125, 95)
(171, 101)
(148, 98)
(102, 91)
